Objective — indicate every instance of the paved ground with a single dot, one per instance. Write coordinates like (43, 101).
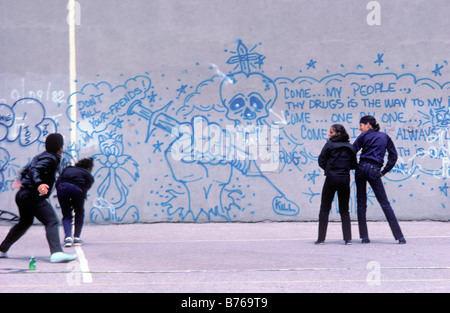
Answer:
(234, 257)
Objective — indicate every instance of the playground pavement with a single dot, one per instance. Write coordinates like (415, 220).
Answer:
(238, 258)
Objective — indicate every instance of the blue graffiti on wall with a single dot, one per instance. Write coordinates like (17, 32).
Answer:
(226, 113)
(101, 105)
(208, 144)
(206, 175)
(25, 122)
(100, 111)
(114, 166)
(4, 160)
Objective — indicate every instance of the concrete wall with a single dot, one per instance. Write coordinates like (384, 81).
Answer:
(145, 87)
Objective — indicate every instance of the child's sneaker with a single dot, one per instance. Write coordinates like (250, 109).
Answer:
(77, 241)
(68, 242)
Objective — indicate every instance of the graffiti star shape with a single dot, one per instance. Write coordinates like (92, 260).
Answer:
(152, 97)
(312, 176)
(437, 70)
(379, 59)
(444, 189)
(157, 146)
(117, 123)
(311, 64)
(181, 90)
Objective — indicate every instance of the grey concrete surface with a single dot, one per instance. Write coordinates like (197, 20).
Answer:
(234, 258)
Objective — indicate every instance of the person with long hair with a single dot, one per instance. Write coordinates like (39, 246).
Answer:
(337, 158)
(374, 145)
(72, 187)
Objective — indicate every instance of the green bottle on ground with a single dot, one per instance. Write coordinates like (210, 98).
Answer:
(32, 265)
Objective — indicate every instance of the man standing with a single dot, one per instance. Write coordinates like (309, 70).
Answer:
(36, 184)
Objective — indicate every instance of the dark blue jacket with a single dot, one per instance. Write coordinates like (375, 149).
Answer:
(374, 145)
(77, 176)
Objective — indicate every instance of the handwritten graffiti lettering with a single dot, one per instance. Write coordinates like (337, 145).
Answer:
(100, 105)
(25, 122)
(376, 88)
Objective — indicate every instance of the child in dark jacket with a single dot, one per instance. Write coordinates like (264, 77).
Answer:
(36, 183)
(72, 187)
(337, 158)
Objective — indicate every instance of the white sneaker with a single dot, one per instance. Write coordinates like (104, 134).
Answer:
(3, 255)
(68, 242)
(59, 257)
(77, 241)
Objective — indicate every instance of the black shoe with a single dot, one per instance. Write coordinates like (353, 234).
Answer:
(365, 240)
(348, 242)
(319, 242)
(402, 241)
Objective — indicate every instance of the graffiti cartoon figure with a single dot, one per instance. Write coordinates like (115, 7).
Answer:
(200, 163)
(112, 191)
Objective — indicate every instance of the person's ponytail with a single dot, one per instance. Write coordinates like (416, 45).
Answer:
(371, 120)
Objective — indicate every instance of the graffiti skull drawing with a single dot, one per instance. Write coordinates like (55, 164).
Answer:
(247, 97)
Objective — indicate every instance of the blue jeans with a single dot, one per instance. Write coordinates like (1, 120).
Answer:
(71, 199)
(367, 172)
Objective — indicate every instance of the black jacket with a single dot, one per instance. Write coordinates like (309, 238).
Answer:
(77, 176)
(337, 158)
(41, 170)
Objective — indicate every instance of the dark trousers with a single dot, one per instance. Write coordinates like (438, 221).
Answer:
(31, 206)
(71, 199)
(367, 172)
(341, 185)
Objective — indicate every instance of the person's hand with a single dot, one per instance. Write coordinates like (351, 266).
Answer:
(16, 184)
(43, 189)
